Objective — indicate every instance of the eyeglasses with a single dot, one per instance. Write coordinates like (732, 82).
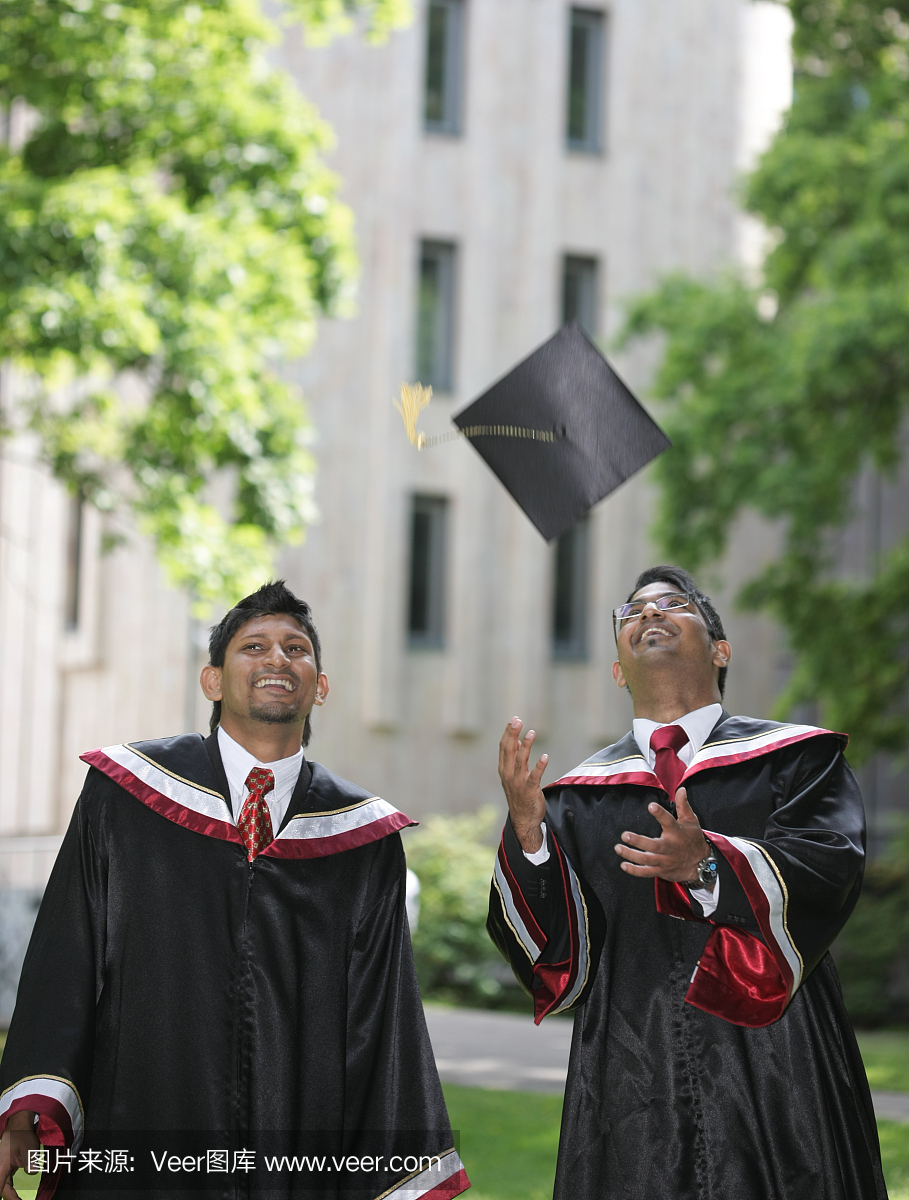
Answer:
(668, 603)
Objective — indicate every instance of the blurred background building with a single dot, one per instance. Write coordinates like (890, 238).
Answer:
(511, 164)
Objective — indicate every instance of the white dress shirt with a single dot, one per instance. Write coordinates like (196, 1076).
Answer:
(237, 765)
(698, 725)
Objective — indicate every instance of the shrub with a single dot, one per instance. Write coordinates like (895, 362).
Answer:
(872, 952)
(456, 962)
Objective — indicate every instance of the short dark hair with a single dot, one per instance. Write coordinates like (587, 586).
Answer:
(683, 581)
(273, 599)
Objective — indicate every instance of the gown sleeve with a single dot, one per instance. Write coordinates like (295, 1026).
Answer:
(393, 1099)
(785, 896)
(46, 1066)
(546, 922)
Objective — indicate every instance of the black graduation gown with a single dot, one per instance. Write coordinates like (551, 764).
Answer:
(711, 1059)
(171, 985)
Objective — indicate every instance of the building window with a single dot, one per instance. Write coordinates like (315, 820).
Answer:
(444, 66)
(75, 538)
(586, 50)
(428, 536)
(569, 608)
(579, 292)
(435, 315)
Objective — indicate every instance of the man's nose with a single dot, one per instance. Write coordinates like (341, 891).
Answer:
(651, 604)
(276, 657)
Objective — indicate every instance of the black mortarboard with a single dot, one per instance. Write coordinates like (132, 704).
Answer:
(561, 431)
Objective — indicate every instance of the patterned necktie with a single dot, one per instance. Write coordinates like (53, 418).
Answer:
(255, 819)
(669, 768)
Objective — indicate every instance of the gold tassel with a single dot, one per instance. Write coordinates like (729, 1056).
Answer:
(414, 398)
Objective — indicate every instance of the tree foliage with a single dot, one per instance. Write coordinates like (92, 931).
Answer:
(780, 395)
(168, 234)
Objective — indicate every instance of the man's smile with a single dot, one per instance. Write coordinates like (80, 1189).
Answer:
(275, 682)
(652, 633)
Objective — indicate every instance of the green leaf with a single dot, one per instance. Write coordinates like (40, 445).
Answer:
(780, 398)
(168, 233)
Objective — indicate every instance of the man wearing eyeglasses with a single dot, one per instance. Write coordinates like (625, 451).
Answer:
(712, 1054)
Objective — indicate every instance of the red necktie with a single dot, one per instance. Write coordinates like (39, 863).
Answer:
(669, 768)
(255, 819)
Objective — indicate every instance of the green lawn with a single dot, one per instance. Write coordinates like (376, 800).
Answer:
(26, 1185)
(508, 1143)
(895, 1153)
(886, 1055)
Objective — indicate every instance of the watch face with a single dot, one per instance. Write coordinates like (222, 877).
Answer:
(707, 870)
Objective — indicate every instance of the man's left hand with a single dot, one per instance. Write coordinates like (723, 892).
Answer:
(18, 1138)
(675, 854)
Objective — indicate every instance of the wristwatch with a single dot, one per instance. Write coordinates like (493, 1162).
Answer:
(707, 869)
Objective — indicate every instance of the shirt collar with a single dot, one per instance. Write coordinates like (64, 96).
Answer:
(697, 724)
(238, 762)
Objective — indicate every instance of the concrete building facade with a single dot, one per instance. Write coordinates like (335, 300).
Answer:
(509, 163)
(687, 93)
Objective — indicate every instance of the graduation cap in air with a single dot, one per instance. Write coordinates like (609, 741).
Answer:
(560, 430)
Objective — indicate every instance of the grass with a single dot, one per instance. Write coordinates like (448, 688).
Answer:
(886, 1055)
(26, 1185)
(508, 1141)
(895, 1155)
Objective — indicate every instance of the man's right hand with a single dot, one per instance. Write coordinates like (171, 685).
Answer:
(14, 1151)
(526, 802)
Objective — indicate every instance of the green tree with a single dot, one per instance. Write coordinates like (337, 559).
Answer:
(168, 235)
(780, 395)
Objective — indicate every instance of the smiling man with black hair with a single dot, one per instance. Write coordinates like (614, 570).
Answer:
(221, 962)
(680, 890)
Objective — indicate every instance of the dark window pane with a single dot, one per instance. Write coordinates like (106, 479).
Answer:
(435, 315)
(578, 83)
(426, 607)
(570, 585)
(444, 66)
(585, 79)
(579, 291)
(437, 27)
(420, 572)
(72, 600)
(563, 621)
(428, 317)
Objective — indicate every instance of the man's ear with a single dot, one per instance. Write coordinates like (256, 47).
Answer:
(321, 689)
(722, 654)
(210, 679)
(617, 675)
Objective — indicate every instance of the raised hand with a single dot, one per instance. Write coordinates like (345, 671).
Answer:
(526, 802)
(18, 1138)
(675, 854)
